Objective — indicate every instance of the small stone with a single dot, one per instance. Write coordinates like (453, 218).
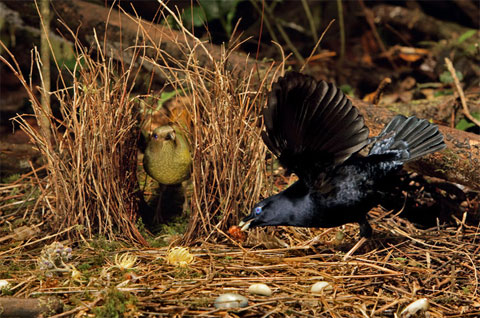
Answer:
(230, 300)
(321, 287)
(260, 289)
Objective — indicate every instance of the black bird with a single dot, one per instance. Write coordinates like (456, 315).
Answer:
(316, 133)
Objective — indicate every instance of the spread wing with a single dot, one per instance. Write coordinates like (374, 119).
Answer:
(311, 126)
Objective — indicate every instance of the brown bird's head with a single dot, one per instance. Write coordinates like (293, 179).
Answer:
(167, 156)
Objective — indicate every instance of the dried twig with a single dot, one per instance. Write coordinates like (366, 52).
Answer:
(460, 93)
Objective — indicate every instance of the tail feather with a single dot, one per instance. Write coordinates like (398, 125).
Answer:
(430, 146)
(409, 138)
(425, 134)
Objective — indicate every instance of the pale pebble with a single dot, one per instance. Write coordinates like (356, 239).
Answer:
(4, 284)
(412, 309)
(230, 300)
(260, 289)
(321, 287)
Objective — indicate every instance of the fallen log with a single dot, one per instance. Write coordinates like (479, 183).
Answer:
(122, 32)
(417, 20)
(13, 307)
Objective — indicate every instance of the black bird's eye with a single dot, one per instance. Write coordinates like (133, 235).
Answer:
(258, 210)
(155, 136)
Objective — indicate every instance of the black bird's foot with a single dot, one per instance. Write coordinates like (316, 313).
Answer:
(365, 229)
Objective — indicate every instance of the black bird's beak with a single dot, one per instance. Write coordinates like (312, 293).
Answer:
(245, 223)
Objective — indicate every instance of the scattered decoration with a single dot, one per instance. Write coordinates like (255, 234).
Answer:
(237, 234)
(75, 274)
(179, 256)
(230, 300)
(4, 285)
(415, 307)
(260, 289)
(321, 287)
(132, 277)
(54, 258)
(125, 261)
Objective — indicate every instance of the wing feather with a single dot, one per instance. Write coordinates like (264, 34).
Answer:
(311, 126)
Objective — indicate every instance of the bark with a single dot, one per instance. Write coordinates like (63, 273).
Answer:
(417, 20)
(444, 109)
(29, 307)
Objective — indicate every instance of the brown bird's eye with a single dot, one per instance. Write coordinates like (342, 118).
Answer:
(170, 136)
(155, 136)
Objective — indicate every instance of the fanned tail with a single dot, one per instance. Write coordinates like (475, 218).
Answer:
(408, 138)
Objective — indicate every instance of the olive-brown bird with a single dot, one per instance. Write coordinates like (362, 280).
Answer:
(167, 157)
(168, 161)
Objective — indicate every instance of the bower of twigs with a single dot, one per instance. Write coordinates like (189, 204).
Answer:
(90, 152)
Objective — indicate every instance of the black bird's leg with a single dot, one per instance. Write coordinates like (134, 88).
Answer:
(365, 228)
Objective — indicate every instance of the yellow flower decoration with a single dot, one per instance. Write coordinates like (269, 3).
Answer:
(125, 261)
(75, 274)
(179, 256)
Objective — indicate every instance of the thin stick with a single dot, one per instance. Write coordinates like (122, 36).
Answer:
(44, 121)
(354, 248)
(463, 100)
(316, 45)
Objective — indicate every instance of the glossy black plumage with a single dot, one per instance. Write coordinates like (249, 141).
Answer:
(316, 133)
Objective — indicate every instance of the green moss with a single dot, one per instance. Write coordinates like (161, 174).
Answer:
(84, 267)
(6, 292)
(116, 305)
(201, 302)
(450, 159)
(141, 228)
(467, 290)
(11, 178)
(8, 269)
(186, 273)
(395, 107)
(177, 226)
(101, 243)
